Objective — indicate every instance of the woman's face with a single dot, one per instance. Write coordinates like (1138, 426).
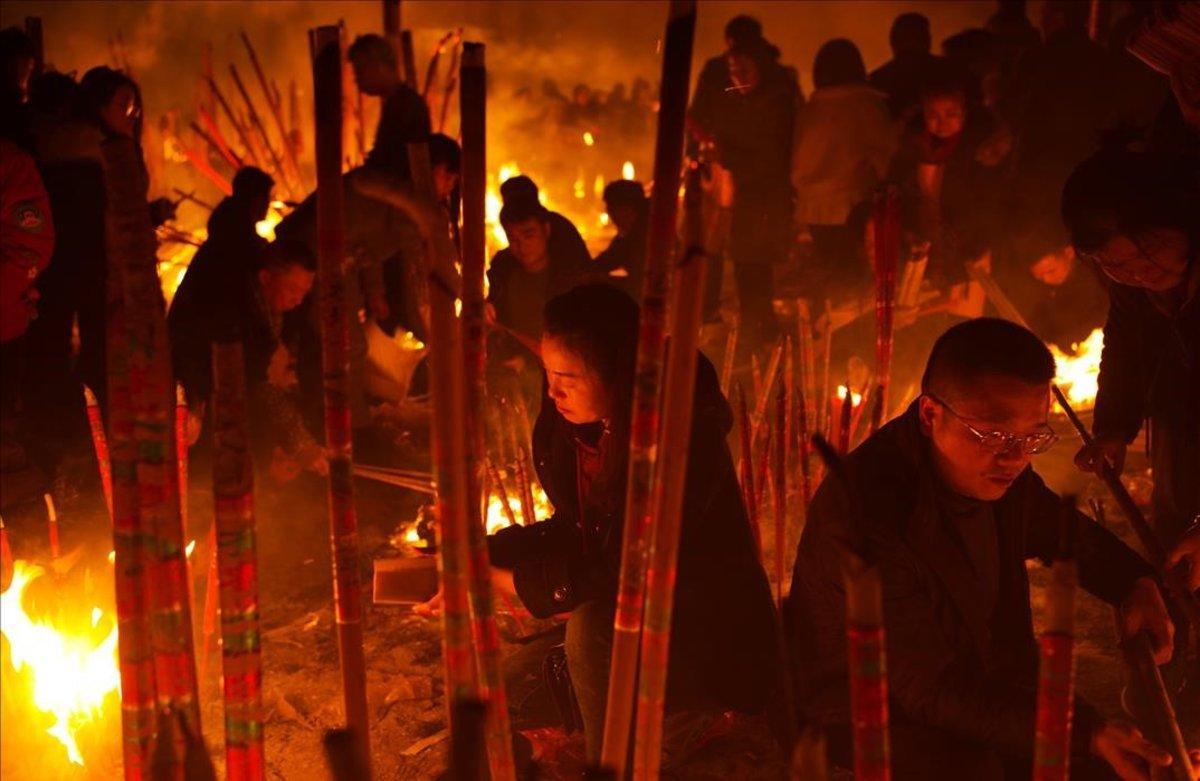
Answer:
(574, 387)
(944, 115)
(1156, 261)
(121, 112)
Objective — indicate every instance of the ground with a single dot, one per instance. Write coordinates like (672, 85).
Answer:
(302, 694)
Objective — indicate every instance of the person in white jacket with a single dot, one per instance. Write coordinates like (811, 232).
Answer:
(845, 137)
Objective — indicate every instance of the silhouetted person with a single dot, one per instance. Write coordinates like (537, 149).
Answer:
(845, 137)
(713, 81)
(403, 117)
(1015, 34)
(16, 69)
(625, 258)
(948, 171)
(911, 65)
(232, 249)
(250, 309)
(1057, 104)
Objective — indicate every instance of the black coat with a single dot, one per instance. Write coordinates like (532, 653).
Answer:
(723, 615)
(968, 677)
(1150, 370)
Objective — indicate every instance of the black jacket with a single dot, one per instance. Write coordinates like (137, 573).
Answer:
(952, 669)
(1150, 370)
(723, 615)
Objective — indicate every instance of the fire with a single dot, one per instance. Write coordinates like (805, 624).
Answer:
(855, 398)
(588, 138)
(627, 171)
(71, 672)
(266, 227)
(1078, 373)
(497, 519)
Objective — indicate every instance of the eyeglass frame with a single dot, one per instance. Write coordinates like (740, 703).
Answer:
(1008, 438)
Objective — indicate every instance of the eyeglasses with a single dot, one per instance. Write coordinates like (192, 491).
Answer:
(1003, 441)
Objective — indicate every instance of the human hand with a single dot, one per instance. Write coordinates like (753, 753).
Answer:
(1186, 556)
(1144, 611)
(1091, 458)
(1128, 753)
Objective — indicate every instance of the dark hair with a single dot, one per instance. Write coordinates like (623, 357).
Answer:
(743, 28)
(758, 51)
(15, 44)
(444, 150)
(838, 62)
(910, 33)
(599, 323)
(96, 90)
(249, 182)
(986, 346)
(1120, 192)
(522, 209)
(51, 92)
(624, 191)
(282, 254)
(374, 48)
(518, 187)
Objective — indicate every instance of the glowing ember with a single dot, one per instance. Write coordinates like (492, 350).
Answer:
(588, 138)
(855, 398)
(1078, 373)
(266, 227)
(497, 519)
(71, 670)
(627, 170)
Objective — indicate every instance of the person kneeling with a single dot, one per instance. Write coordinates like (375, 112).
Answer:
(723, 643)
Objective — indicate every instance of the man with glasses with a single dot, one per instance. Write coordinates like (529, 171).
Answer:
(951, 510)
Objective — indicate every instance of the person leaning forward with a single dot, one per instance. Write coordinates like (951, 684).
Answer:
(952, 510)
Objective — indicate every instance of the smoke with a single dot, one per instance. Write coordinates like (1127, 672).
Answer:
(593, 43)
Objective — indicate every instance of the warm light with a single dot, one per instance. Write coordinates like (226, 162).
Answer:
(627, 170)
(580, 189)
(266, 226)
(412, 536)
(1078, 374)
(191, 546)
(588, 138)
(604, 218)
(598, 186)
(71, 672)
(498, 519)
(855, 398)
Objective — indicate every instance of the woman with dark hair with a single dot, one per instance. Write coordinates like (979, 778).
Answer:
(723, 642)
(1134, 215)
(844, 138)
(948, 172)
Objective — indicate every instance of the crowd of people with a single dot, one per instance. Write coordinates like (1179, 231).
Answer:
(1010, 153)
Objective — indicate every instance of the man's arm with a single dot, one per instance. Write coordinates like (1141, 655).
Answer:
(1123, 381)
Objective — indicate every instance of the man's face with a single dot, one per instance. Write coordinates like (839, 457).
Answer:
(743, 72)
(992, 403)
(576, 390)
(284, 290)
(529, 240)
(444, 181)
(371, 77)
(1157, 261)
(623, 216)
(1053, 268)
(944, 115)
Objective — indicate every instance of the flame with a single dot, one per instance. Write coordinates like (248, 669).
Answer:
(588, 138)
(627, 170)
(855, 398)
(266, 227)
(580, 189)
(497, 519)
(1078, 373)
(71, 673)
(191, 546)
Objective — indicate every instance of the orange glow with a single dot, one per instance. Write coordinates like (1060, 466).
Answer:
(1078, 373)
